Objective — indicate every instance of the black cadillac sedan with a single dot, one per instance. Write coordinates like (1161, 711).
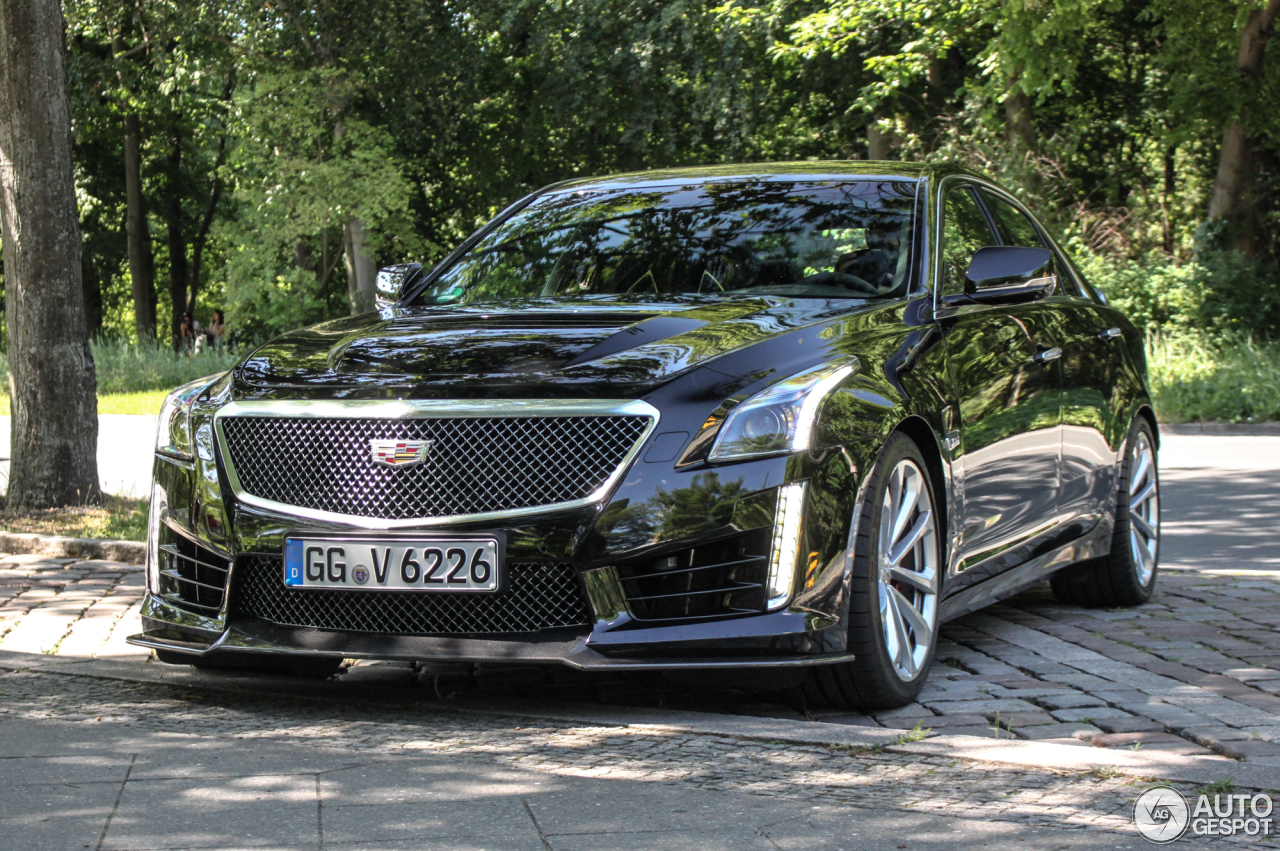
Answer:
(780, 419)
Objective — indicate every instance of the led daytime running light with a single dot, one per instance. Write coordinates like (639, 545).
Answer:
(785, 551)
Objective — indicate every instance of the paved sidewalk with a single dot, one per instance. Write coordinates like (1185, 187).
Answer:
(106, 764)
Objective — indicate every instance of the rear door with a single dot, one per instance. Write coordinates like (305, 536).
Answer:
(1088, 376)
(1006, 388)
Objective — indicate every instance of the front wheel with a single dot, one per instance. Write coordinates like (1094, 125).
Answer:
(893, 601)
(1126, 576)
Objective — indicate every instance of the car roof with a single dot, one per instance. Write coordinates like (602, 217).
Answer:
(783, 172)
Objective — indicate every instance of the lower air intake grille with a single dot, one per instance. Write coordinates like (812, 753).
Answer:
(537, 596)
(726, 577)
(190, 576)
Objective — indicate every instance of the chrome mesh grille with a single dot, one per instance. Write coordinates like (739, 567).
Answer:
(537, 596)
(474, 465)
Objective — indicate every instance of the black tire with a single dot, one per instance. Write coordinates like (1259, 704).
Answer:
(872, 681)
(1117, 579)
(309, 667)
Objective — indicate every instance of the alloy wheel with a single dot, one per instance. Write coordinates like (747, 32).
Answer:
(1144, 509)
(908, 569)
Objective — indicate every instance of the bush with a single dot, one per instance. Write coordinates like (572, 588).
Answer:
(1195, 378)
(1218, 292)
(126, 368)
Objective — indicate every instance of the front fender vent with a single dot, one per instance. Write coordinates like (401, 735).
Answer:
(191, 577)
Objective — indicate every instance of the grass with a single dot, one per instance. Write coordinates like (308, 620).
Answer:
(142, 402)
(1198, 379)
(125, 368)
(117, 518)
(1221, 786)
(134, 379)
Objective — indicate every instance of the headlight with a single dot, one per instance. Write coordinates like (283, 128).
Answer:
(173, 431)
(779, 419)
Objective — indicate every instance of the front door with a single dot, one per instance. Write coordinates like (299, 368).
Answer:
(1006, 389)
(1087, 338)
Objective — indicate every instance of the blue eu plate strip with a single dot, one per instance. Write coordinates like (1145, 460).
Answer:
(293, 562)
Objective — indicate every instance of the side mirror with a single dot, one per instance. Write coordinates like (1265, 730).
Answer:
(1009, 273)
(1102, 297)
(393, 281)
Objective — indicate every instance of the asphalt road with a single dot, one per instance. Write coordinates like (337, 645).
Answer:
(125, 447)
(1220, 502)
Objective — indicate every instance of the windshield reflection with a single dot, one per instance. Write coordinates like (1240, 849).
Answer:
(829, 239)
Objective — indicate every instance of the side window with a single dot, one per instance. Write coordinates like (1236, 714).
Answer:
(1017, 229)
(964, 231)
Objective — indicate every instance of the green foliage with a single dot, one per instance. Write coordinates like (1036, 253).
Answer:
(301, 171)
(1195, 378)
(1217, 293)
(280, 124)
(126, 368)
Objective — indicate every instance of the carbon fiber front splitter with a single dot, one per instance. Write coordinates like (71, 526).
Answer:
(253, 637)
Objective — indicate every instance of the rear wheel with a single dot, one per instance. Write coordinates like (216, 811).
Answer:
(1127, 575)
(893, 602)
(311, 668)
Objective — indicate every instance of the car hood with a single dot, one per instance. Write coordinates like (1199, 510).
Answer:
(549, 347)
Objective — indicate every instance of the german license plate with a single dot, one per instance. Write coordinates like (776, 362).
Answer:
(399, 564)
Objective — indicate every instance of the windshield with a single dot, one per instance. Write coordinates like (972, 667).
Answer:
(831, 239)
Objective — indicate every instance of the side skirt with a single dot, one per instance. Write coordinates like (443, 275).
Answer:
(1093, 544)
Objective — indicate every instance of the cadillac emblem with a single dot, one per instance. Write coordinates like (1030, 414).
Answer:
(399, 453)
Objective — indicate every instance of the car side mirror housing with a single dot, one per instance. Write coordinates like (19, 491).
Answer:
(1000, 273)
(394, 281)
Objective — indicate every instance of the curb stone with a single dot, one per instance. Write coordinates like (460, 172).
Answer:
(57, 546)
(1238, 429)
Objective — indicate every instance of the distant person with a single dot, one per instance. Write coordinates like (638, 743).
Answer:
(189, 330)
(218, 329)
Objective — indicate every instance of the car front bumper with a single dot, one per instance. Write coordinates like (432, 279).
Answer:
(596, 543)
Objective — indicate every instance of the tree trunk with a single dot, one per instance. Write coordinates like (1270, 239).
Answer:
(202, 233)
(361, 267)
(177, 241)
(91, 286)
(879, 142)
(141, 262)
(1166, 198)
(54, 436)
(1232, 197)
(210, 208)
(1019, 118)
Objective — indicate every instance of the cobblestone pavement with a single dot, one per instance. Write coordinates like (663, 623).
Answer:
(1196, 671)
(381, 723)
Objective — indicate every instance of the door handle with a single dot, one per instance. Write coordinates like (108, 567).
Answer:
(1047, 355)
(1110, 334)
